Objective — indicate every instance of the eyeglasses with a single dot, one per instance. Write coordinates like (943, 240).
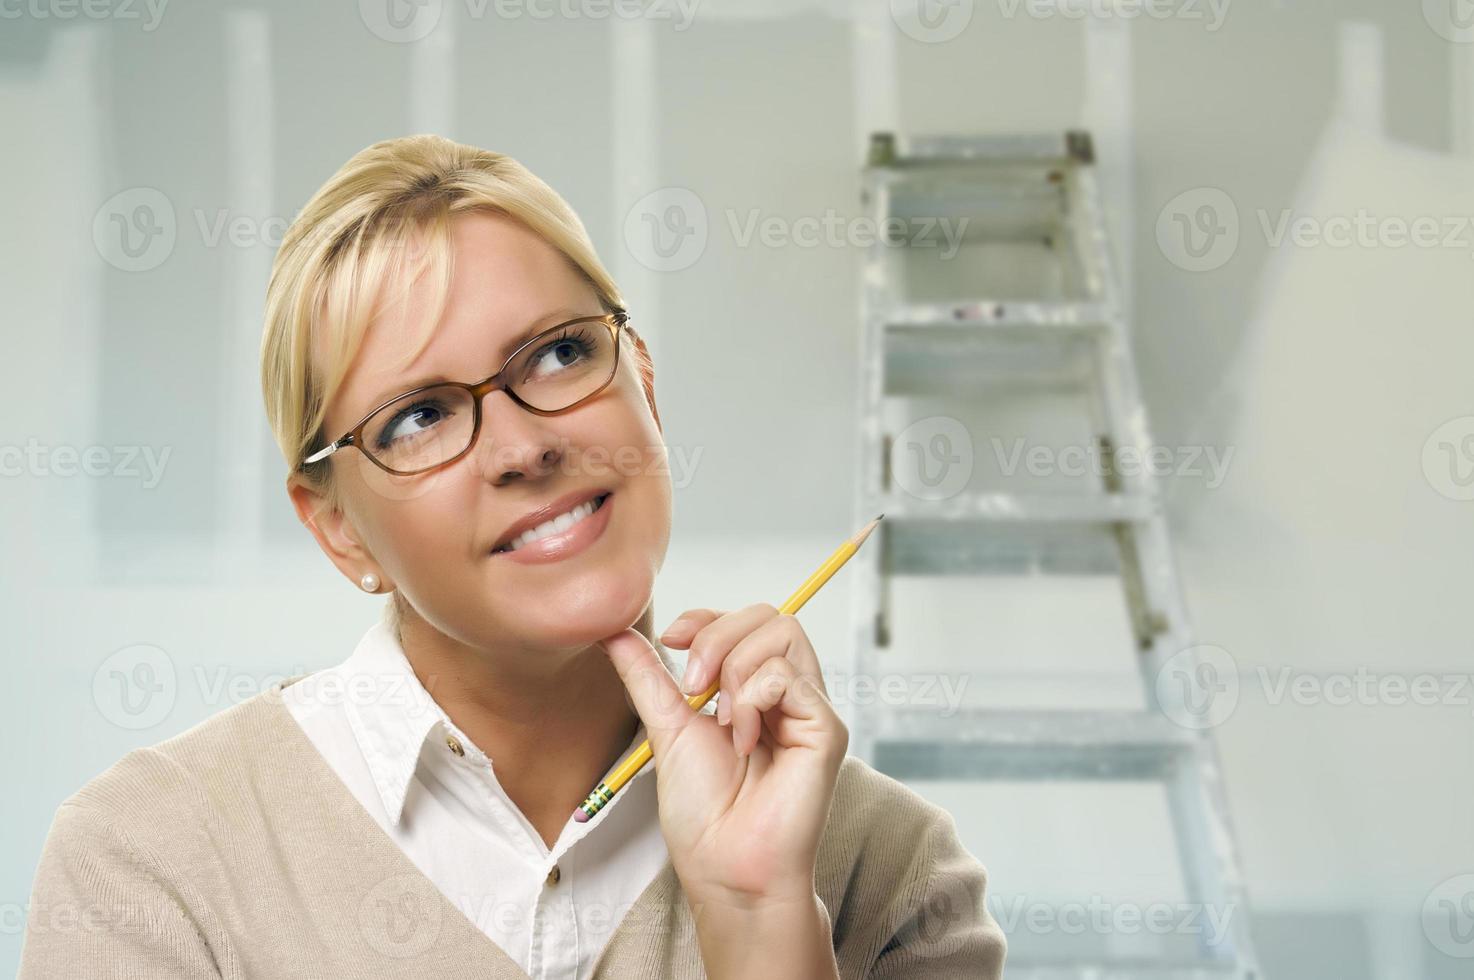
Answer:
(437, 424)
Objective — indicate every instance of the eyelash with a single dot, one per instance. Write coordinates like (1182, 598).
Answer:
(569, 333)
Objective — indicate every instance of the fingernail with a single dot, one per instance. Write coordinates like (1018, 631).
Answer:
(689, 677)
(677, 627)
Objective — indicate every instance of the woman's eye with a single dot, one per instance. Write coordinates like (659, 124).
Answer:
(563, 353)
(410, 422)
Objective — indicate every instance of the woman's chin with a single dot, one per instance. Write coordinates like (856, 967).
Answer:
(588, 614)
(577, 635)
(575, 603)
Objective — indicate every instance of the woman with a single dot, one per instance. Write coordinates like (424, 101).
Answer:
(410, 812)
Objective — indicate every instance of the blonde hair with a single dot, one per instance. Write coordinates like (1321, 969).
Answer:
(351, 241)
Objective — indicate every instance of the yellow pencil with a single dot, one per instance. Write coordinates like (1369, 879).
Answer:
(622, 773)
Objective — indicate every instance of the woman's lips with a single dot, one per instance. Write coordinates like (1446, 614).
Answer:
(556, 547)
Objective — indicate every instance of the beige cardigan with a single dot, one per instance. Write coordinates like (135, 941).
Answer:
(233, 850)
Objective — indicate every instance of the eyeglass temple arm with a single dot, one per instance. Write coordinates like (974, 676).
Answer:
(329, 449)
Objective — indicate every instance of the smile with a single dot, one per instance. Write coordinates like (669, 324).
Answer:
(560, 536)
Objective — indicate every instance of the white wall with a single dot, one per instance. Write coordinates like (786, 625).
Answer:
(1327, 549)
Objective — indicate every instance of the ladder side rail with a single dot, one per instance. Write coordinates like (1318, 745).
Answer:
(868, 564)
(1208, 852)
(1198, 798)
(1127, 426)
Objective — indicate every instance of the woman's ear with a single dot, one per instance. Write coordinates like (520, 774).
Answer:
(647, 373)
(333, 531)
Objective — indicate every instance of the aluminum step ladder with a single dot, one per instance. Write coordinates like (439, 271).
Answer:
(1058, 322)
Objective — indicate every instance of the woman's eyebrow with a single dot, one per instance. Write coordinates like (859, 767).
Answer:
(545, 322)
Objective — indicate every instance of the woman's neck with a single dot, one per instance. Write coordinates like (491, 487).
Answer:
(552, 724)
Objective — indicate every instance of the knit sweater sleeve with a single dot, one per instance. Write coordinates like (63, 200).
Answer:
(945, 931)
(103, 908)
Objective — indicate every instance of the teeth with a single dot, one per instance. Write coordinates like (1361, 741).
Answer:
(557, 525)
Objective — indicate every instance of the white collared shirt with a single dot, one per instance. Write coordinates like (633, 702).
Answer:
(436, 795)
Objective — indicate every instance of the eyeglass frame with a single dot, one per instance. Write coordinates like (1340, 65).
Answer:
(615, 321)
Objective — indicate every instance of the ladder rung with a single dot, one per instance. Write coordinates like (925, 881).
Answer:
(998, 314)
(980, 743)
(1014, 508)
(953, 548)
(968, 363)
(887, 149)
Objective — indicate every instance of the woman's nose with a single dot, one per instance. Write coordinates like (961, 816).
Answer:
(514, 442)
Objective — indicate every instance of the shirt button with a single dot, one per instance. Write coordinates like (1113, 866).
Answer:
(454, 744)
(554, 875)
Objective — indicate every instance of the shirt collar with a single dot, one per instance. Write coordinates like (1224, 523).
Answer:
(392, 715)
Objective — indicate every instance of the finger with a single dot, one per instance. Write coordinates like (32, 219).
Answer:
(759, 758)
(773, 638)
(678, 634)
(781, 636)
(779, 684)
(712, 643)
(651, 688)
(747, 721)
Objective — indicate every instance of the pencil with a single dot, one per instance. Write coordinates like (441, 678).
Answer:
(637, 759)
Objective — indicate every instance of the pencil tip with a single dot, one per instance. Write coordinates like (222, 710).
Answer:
(864, 532)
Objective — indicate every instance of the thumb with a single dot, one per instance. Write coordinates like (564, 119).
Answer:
(652, 690)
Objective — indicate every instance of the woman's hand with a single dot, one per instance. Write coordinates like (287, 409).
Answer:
(742, 808)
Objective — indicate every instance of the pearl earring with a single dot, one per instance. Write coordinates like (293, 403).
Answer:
(369, 582)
